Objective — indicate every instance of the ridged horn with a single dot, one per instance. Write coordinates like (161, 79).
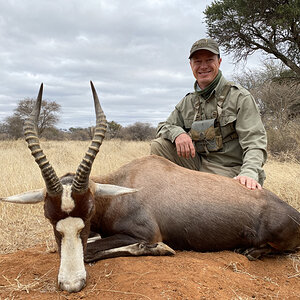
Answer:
(52, 182)
(81, 179)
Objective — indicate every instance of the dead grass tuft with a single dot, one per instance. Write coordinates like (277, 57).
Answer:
(239, 268)
(43, 283)
(296, 265)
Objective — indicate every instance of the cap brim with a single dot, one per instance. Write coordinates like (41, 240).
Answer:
(204, 48)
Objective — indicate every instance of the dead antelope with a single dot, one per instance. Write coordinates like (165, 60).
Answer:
(150, 202)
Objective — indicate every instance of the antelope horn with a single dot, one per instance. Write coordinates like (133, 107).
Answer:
(81, 179)
(52, 182)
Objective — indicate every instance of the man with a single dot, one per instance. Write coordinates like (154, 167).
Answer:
(217, 128)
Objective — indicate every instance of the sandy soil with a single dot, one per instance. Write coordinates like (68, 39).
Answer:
(32, 273)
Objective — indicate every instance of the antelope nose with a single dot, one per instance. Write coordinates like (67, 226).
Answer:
(72, 286)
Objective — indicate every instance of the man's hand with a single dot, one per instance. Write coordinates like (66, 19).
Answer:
(185, 146)
(250, 183)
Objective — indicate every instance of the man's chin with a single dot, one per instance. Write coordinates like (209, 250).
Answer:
(203, 82)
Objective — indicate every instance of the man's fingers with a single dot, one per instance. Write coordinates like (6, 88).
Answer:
(184, 146)
(186, 151)
(259, 186)
(242, 180)
(178, 148)
(193, 151)
(250, 183)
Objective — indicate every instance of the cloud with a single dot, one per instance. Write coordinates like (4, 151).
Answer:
(134, 51)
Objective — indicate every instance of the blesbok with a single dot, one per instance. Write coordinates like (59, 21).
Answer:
(150, 202)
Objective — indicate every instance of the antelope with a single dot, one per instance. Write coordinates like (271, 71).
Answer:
(151, 206)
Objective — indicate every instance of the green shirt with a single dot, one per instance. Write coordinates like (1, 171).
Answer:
(240, 114)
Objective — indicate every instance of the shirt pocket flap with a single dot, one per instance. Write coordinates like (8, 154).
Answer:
(226, 119)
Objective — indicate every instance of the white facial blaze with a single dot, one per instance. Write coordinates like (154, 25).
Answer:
(67, 202)
(72, 274)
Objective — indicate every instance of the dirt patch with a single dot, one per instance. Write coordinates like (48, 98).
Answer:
(32, 273)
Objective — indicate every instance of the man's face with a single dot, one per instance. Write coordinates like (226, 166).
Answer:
(205, 66)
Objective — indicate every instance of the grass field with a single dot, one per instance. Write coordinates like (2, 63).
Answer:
(24, 226)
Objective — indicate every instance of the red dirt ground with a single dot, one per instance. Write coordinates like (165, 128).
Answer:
(32, 273)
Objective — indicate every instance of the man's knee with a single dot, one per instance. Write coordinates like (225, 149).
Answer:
(161, 147)
(167, 149)
(155, 147)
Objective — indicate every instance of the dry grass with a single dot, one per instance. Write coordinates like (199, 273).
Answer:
(283, 179)
(24, 226)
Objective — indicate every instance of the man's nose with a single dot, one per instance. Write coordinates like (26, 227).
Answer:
(203, 64)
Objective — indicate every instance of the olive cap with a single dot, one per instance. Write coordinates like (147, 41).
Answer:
(205, 44)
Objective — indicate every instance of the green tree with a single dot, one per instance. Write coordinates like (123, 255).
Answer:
(48, 117)
(80, 134)
(113, 128)
(244, 26)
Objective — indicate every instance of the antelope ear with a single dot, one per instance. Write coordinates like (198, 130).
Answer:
(112, 190)
(30, 197)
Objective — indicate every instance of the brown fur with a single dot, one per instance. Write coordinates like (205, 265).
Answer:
(191, 210)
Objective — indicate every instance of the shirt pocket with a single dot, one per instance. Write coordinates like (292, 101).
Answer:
(227, 123)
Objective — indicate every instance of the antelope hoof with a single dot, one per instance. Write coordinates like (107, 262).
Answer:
(72, 287)
(159, 248)
(256, 253)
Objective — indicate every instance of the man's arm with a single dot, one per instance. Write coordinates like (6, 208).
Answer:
(253, 140)
(172, 127)
(173, 130)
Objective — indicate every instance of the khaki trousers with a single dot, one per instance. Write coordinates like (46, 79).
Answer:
(165, 148)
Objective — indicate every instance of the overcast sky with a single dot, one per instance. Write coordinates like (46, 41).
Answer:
(135, 52)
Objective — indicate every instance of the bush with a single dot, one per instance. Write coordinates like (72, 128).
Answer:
(284, 141)
(54, 134)
(137, 132)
